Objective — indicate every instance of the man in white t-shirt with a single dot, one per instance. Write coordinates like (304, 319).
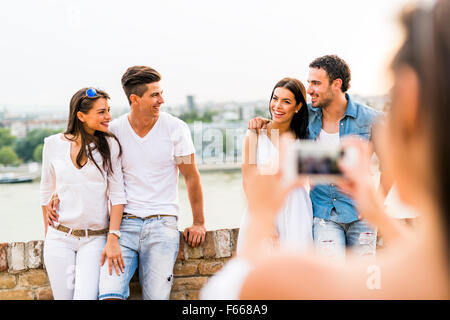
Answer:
(155, 146)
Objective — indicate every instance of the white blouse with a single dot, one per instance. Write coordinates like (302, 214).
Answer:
(83, 193)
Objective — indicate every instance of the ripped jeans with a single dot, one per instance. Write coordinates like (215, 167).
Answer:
(331, 238)
(152, 245)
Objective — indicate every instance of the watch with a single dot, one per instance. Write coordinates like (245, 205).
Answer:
(115, 232)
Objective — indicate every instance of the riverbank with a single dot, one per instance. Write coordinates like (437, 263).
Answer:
(224, 204)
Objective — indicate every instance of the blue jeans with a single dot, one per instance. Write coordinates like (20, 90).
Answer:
(152, 245)
(331, 238)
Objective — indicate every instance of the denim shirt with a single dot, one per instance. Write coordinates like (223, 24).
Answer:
(358, 120)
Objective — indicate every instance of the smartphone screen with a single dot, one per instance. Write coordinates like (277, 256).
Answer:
(318, 161)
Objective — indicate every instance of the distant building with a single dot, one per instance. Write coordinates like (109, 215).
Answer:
(20, 128)
(190, 103)
(241, 113)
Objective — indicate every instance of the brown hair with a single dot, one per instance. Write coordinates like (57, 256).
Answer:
(82, 102)
(134, 80)
(427, 51)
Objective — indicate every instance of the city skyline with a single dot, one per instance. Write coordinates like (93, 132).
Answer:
(213, 51)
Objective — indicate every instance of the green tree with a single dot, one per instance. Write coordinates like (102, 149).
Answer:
(25, 147)
(37, 154)
(262, 113)
(190, 116)
(8, 156)
(208, 115)
(6, 139)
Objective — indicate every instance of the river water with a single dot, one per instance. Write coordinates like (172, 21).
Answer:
(21, 215)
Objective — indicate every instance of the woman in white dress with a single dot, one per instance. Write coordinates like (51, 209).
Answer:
(82, 165)
(289, 115)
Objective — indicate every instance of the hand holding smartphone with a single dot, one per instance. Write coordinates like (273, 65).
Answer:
(317, 161)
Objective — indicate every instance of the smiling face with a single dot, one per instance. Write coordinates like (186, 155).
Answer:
(151, 100)
(97, 118)
(319, 88)
(283, 105)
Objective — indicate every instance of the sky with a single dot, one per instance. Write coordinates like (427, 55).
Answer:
(215, 50)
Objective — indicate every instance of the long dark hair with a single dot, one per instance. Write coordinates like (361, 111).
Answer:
(427, 50)
(299, 123)
(82, 102)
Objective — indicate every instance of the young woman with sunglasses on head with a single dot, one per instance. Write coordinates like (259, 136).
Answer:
(82, 166)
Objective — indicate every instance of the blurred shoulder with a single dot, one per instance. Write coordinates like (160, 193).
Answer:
(279, 277)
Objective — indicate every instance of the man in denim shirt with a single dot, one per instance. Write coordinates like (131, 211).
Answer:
(332, 115)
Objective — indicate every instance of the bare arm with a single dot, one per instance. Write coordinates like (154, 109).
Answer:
(116, 194)
(293, 276)
(195, 234)
(258, 123)
(112, 251)
(386, 183)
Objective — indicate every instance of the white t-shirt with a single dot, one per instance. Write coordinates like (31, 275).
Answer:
(83, 193)
(330, 139)
(148, 164)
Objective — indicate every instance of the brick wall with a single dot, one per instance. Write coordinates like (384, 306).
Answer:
(23, 275)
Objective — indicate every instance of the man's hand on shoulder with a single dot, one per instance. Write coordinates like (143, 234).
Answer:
(258, 123)
(195, 235)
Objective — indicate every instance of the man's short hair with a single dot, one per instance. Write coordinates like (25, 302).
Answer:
(134, 80)
(335, 67)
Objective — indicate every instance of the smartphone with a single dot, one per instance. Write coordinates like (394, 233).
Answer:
(314, 159)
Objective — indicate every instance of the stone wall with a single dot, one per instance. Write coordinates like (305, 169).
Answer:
(23, 275)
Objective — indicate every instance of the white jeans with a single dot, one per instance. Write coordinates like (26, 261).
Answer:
(73, 264)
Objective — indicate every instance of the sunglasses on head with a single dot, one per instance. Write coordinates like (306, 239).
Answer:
(91, 93)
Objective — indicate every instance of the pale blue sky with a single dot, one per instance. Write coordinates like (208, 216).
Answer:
(215, 50)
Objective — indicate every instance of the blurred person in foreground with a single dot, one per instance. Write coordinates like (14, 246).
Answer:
(417, 150)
